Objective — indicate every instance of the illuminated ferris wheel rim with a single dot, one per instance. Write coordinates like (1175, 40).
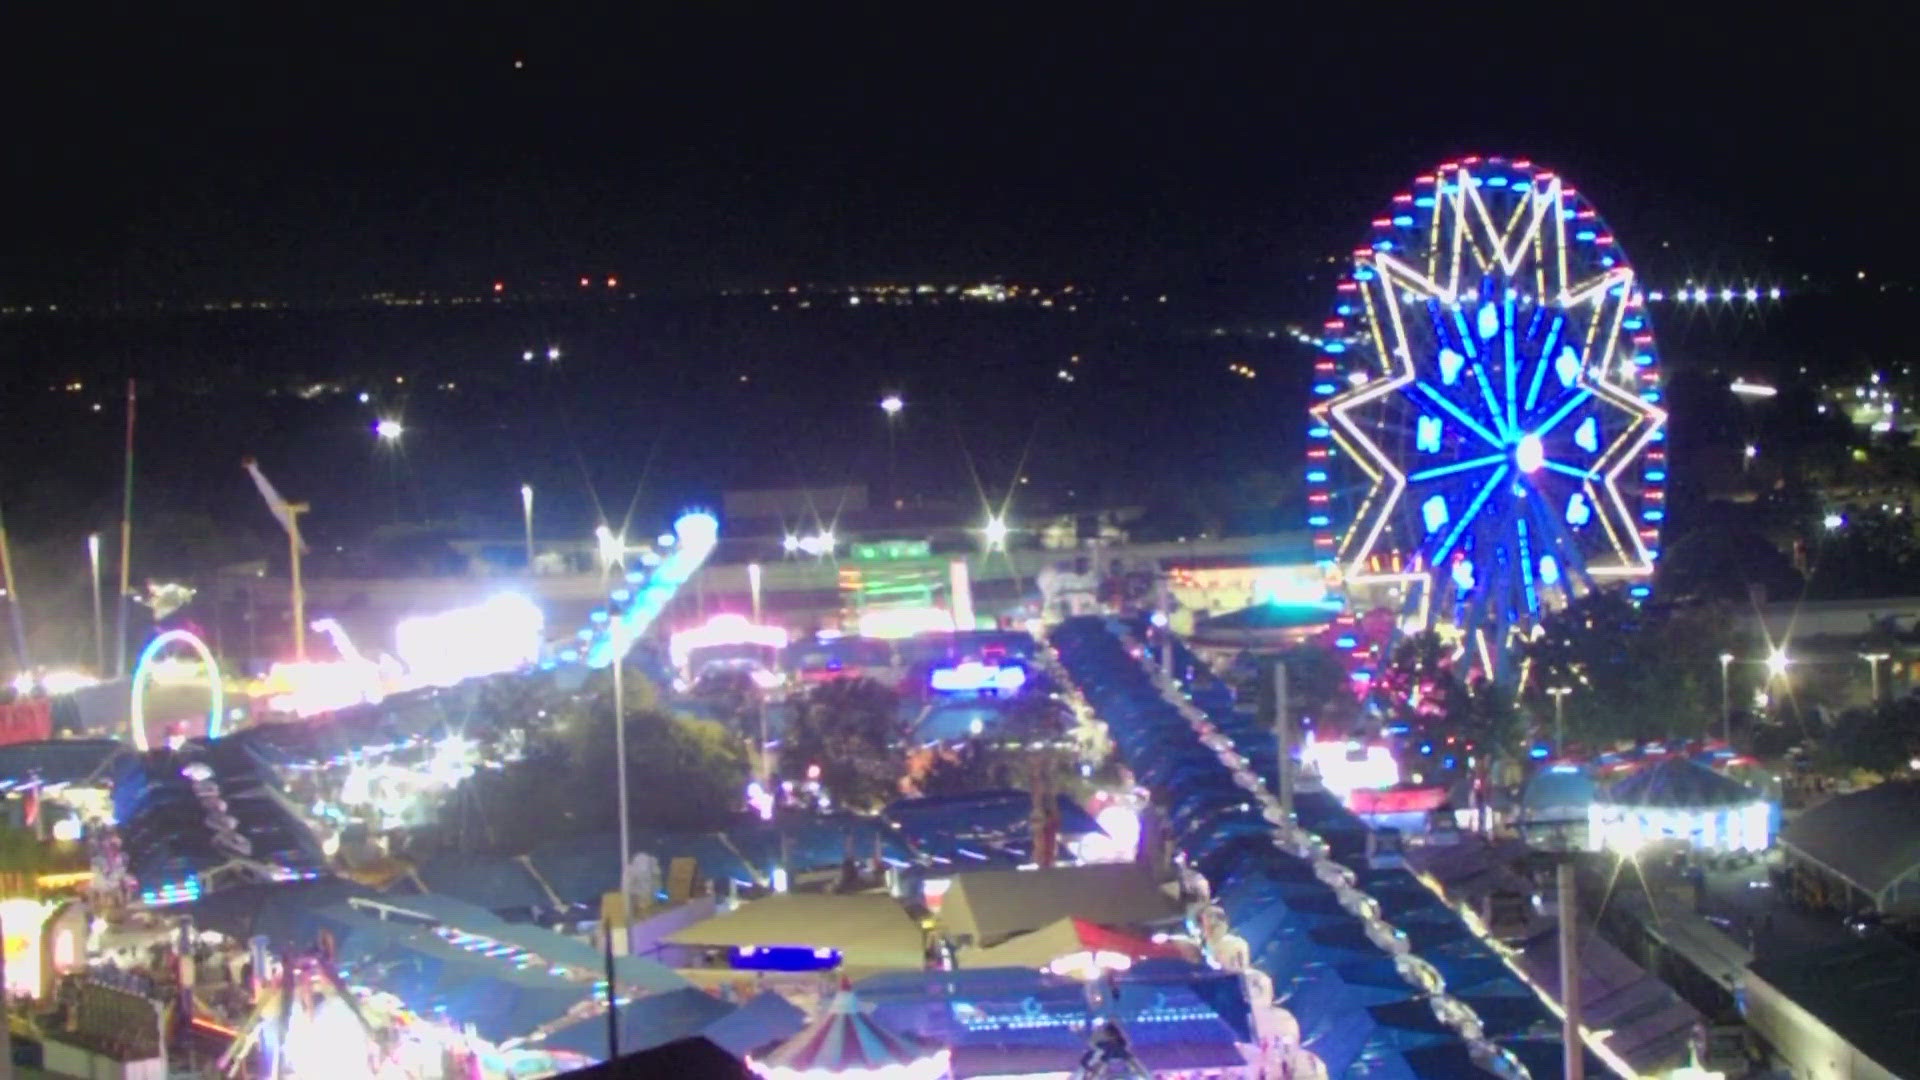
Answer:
(1504, 258)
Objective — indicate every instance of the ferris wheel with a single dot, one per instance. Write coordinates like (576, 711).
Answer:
(1487, 439)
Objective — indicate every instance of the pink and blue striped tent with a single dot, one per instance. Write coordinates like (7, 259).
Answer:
(846, 1040)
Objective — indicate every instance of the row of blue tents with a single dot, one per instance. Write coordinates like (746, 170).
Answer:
(1355, 1010)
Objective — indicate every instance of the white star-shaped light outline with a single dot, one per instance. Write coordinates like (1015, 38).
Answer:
(1465, 239)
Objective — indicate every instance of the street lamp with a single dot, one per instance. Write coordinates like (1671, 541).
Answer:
(526, 512)
(1873, 660)
(1726, 713)
(99, 634)
(1560, 717)
(389, 430)
(891, 405)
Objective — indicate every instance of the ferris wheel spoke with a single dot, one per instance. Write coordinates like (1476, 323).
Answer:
(1473, 511)
(1460, 414)
(1457, 467)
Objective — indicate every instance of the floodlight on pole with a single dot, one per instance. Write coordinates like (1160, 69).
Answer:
(526, 512)
(995, 532)
(1726, 712)
(1874, 659)
(1560, 717)
(1777, 662)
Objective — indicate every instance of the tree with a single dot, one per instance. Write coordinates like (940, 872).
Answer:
(1635, 673)
(1879, 740)
(682, 773)
(1031, 743)
(850, 731)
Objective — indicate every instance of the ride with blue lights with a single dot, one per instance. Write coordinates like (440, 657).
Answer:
(1488, 440)
(612, 635)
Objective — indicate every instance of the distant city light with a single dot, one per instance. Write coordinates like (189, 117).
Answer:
(1752, 451)
(389, 430)
(1751, 389)
(891, 404)
(553, 352)
(1833, 521)
(1777, 662)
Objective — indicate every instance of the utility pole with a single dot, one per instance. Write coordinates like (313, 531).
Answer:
(126, 546)
(1283, 737)
(1575, 1060)
(619, 631)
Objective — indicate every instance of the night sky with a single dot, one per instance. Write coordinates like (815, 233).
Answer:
(160, 155)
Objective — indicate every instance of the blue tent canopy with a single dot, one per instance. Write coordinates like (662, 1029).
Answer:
(765, 1020)
(643, 1023)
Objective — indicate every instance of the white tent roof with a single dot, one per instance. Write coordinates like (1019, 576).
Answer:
(991, 904)
(871, 930)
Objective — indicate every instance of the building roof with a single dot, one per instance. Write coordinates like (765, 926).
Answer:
(1861, 990)
(991, 904)
(1871, 838)
(871, 930)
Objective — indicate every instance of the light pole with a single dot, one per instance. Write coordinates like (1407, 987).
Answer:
(99, 631)
(891, 405)
(1726, 713)
(1873, 660)
(620, 763)
(526, 513)
(1560, 717)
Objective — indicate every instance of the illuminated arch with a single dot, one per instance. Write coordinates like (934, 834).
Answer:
(143, 671)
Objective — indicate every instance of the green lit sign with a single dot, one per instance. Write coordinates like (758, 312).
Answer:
(890, 550)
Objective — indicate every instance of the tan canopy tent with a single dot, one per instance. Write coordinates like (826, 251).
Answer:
(871, 930)
(989, 906)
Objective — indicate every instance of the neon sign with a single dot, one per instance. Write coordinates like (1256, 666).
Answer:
(143, 672)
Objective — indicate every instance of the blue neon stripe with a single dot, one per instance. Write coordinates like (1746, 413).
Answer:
(1458, 414)
(1526, 563)
(1466, 338)
(1546, 361)
(1513, 398)
(1457, 467)
(1473, 510)
(1554, 420)
(1568, 470)
(1486, 394)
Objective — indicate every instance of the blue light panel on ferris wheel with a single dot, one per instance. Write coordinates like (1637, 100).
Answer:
(1578, 512)
(1434, 513)
(1450, 364)
(1587, 435)
(1487, 321)
(1496, 181)
(1463, 576)
(1567, 366)
(1426, 433)
(1549, 570)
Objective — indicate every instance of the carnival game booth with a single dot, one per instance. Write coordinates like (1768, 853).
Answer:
(1314, 913)
(1681, 803)
(1180, 1019)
